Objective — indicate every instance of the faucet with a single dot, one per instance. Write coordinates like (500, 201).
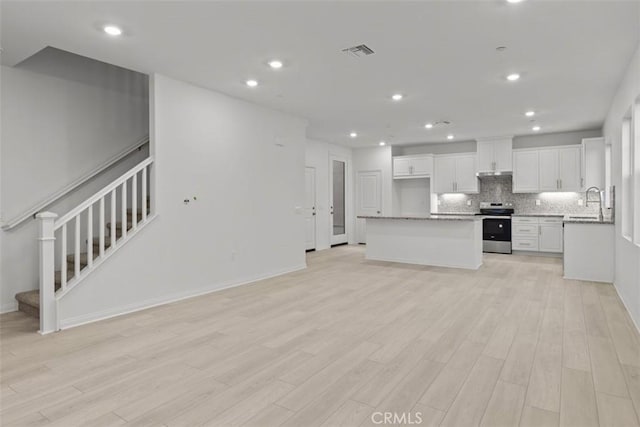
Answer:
(599, 201)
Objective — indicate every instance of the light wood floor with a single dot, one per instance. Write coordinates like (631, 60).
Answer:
(510, 344)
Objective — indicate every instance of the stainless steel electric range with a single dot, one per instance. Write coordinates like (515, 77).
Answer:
(496, 227)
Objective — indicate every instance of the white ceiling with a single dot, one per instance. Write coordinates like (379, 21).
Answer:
(440, 54)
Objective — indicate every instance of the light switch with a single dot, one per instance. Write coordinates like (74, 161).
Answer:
(537, 202)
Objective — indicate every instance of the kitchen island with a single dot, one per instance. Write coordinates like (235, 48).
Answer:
(435, 240)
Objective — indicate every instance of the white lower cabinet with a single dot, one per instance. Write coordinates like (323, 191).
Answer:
(550, 238)
(536, 234)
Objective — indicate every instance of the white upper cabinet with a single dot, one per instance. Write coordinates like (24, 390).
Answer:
(548, 164)
(412, 166)
(495, 155)
(422, 165)
(525, 171)
(401, 167)
(569, 173)
(455, 173)
(466, 179)
(547, 169)
(593, 163)
(444, 170)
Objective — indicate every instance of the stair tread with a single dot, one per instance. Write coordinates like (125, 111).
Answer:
(31, 298)
(107, 242)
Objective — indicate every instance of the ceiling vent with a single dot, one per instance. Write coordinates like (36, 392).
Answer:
(358, 51)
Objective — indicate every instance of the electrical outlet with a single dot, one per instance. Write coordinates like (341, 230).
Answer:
(580, 202)
(537, 202)
(468, 202)
(439, 202)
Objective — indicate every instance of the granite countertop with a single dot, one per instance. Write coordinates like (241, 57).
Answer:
(568, 220)
(458, 217)
(456, 213)
(541, 215)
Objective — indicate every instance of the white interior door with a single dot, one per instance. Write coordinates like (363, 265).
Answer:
(310, 208)
(338, 200)
(369, 202)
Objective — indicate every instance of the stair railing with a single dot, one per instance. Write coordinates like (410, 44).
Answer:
(126, 197)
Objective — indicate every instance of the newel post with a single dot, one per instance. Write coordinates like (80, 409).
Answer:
(48, 304)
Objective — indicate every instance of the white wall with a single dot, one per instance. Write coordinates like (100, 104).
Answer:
(246, 224)
(372, 159)
(627, 276)
(61, 117)
(317, 156)
(557, 138)
(56, 130)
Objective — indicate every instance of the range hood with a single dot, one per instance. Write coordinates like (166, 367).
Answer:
(483, 174)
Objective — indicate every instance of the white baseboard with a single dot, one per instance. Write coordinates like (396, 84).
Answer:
(9, 307)
(635, 323)
(143, 305)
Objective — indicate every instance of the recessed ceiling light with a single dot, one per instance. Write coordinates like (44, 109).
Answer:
(449, 136)
(382, 143)
(513, 77)
(536, 128)
(530, 113)
(353, 134)
(514, 1)
(396, 96)
(275, 64)
(112, 30)
(252, 83)
(428, 125)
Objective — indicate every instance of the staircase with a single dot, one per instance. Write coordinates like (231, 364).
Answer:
(29, 302)
(61, 270)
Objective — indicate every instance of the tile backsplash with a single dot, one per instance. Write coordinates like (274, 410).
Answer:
(499, 189)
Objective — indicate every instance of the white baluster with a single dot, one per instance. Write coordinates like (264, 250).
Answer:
(48, 303)
(101, 227)
(63, 258)
(77, 248)
(144, 194)
(90, 237)
(113, 219)
(123, 224)
(134, 202)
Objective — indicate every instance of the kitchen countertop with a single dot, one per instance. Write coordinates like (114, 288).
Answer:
(541, 215)
(568, 220)
(456, 213)
(458, 217)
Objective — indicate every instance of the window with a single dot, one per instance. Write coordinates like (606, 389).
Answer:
(630, 150)
(635, 153)
(627, 180)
